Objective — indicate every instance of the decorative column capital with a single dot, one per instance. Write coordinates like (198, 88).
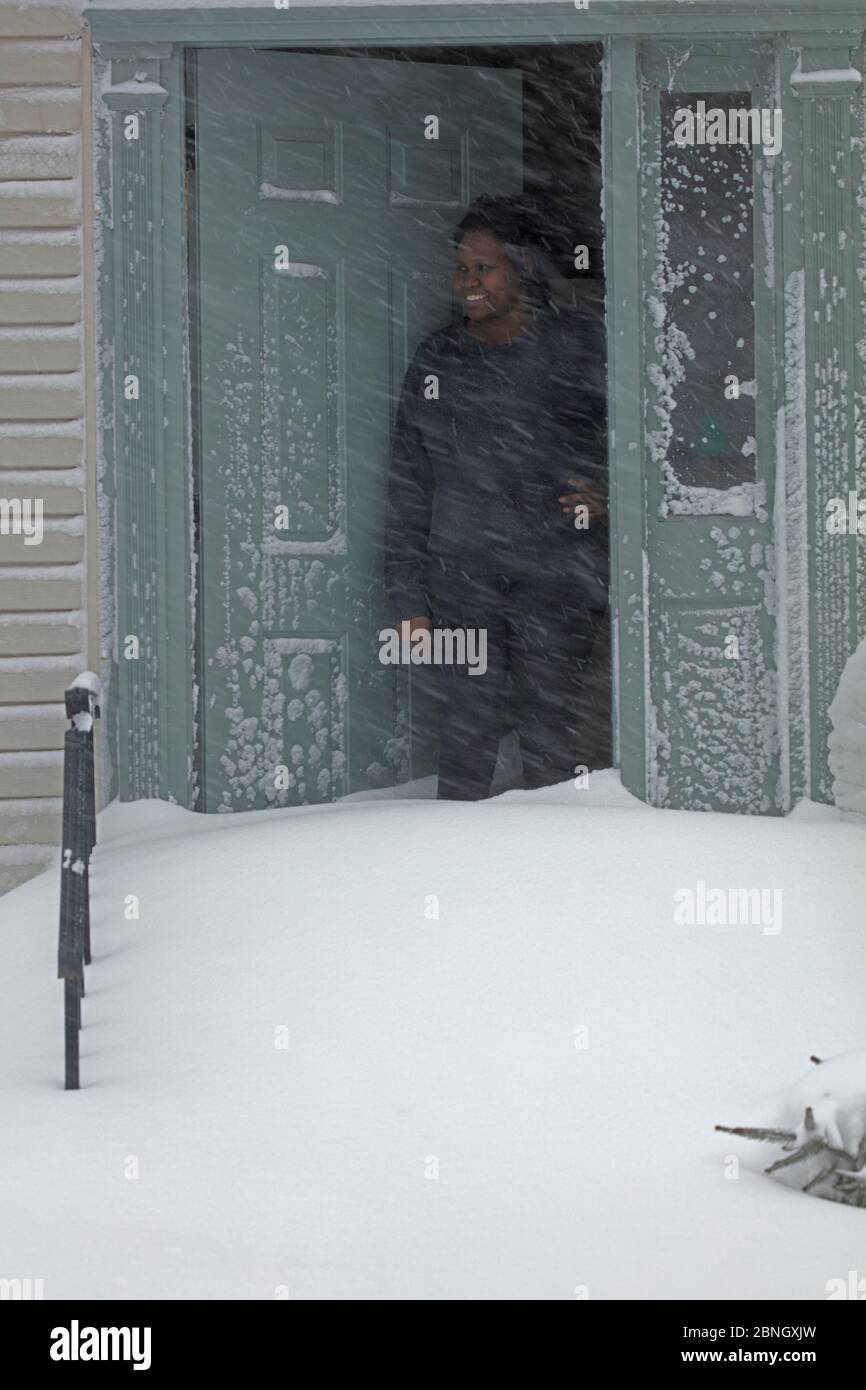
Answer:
(825, 65)
(136, 76)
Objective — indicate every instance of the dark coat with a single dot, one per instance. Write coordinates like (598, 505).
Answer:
(475, 474)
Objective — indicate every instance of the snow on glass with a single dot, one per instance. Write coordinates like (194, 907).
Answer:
(719, 717)
(701, 307)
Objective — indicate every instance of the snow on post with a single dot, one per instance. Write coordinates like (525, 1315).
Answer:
(87, 680)
(82, 711)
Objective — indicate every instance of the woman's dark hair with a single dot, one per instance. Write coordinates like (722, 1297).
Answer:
(518, 228)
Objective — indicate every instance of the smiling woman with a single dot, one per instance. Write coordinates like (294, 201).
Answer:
(500, 413)
(497, 274)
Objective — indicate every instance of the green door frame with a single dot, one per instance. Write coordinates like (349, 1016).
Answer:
(144, 387)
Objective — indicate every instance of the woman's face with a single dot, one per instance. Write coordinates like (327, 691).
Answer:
(484, 278)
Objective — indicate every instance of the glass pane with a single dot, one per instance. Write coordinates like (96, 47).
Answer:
(704, 282)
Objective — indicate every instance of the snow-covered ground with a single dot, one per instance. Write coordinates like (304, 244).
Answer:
(297, 1078)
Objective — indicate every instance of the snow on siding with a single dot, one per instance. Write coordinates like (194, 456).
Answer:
(43, 628)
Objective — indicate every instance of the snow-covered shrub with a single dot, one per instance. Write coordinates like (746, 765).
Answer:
(847, 742)
(822, 1131)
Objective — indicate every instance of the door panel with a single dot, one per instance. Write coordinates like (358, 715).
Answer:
(709, 436)
(302, 353)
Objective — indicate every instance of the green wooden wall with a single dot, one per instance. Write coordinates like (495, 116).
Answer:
(816, 209)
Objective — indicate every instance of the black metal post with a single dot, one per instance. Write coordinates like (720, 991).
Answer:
(79, 837)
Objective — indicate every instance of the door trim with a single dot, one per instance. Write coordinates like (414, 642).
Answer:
(144, 445)
(409, 25)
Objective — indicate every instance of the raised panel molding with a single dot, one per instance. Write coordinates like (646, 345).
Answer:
(427, 173)
(721, 711)
(302, 460)
(309, 676)
(301, 163)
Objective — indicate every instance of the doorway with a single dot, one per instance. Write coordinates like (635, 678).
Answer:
(325, 185)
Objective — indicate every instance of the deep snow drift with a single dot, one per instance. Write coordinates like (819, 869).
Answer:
(298, 1079)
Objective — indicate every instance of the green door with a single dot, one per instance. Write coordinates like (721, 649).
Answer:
(703, 667)
(325, 191)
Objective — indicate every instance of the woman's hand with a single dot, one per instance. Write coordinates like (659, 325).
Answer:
(422, 624)
(587, 496)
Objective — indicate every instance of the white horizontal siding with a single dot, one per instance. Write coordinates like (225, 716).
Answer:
(43, 588)
(20, 862)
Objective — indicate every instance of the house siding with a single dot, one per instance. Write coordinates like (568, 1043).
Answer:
(45, 435)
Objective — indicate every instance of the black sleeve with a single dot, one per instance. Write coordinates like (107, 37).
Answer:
(409, 504)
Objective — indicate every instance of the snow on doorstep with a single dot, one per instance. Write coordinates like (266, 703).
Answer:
(847, 741)
(429, 1051)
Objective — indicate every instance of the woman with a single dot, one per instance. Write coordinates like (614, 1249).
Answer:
(501, 413)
